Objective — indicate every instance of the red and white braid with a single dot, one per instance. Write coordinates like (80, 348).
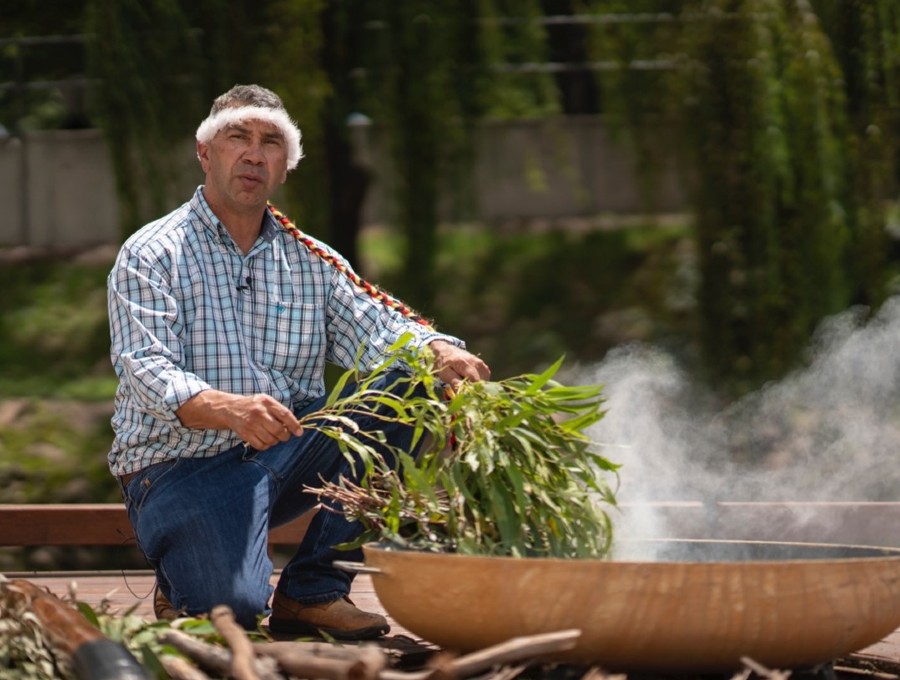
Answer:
(370, 289)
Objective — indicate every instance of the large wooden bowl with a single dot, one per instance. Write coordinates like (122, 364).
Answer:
(665, 605)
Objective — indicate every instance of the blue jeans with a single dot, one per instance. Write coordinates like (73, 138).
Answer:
(203, 523)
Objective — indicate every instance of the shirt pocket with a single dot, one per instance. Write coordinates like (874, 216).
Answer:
(294, 336)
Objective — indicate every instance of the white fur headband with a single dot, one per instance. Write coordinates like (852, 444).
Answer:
(237, 114)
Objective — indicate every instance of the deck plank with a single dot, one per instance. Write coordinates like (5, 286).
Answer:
(65, 524)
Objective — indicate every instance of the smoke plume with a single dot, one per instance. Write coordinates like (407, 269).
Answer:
(829, 432)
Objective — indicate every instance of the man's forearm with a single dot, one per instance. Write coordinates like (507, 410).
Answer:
(208, 410)
(259, 420)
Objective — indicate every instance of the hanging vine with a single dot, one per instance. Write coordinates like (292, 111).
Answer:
(427, 79)
(146, 102)
(785, 179)
(866, 39)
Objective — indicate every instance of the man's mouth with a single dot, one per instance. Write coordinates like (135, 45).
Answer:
(250, 179)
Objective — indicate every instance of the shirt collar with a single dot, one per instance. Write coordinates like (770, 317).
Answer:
(216, 230)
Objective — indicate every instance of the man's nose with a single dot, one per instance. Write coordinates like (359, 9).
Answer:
(253, 153)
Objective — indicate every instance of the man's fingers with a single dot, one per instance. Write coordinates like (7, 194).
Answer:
(266, 422)
(455, 372)
(280, 426)
(477, 370)
(288, 422)
(456, 364)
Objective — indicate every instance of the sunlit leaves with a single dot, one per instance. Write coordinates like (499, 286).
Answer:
(504, 468)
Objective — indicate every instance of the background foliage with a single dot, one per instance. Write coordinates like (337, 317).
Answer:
(788, 124)
(787, 110)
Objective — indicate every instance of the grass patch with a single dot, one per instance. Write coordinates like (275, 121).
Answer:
(54, 452)
(54, 333)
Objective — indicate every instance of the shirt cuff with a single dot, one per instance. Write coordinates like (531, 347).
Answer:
(180, 390)
(427, 337)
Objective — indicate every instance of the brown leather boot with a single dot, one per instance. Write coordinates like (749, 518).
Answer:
(162, 607)
(339, 619)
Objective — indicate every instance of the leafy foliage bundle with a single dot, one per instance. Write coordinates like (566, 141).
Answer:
(502, 467)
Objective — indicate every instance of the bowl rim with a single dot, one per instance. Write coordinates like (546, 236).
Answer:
(880, 553)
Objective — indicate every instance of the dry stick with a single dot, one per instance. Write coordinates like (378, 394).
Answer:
(508, 672)
(763, 671)
(66, 628)
(242, 656)
(92, 654)
(595, 673)
(216, 658)
(325, 661)
(329, 650)
(302, 665)
(440, 666)
(181, 669)
(515, 649)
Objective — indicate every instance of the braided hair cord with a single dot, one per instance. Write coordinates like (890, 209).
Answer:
(371, 290)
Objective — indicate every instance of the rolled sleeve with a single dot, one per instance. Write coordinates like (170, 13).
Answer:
(146, 352)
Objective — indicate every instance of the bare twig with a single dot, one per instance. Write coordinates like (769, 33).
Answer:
(508, 672)
(527, 647)
(595, 673)
(516, 649)
(181, 669)
(763, 671)
(324, 660)
(302, 665)
(440, 666)
(216, 658)
(241, 648)
(743, 674)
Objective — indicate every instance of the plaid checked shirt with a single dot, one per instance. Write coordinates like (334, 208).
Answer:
(189, 312)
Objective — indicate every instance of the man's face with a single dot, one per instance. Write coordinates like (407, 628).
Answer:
(244, 164)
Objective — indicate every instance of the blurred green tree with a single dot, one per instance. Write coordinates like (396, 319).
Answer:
(142, 53)
(421, 70)
(35, 53)
(787, 110)
(865, 40)
(788, 128)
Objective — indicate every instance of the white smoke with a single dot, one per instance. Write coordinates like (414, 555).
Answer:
(830, 432)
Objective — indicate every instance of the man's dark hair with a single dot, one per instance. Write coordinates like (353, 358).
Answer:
(247, 95)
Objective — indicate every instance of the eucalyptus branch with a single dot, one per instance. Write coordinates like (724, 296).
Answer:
(498, 467)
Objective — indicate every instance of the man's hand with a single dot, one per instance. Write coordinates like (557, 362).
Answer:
(259, 420)
(455, 364)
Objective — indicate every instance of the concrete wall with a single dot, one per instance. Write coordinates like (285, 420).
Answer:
(12, 196)
(57, 187)
(569, 167)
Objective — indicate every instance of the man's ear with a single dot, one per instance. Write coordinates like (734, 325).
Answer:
(203, 156)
